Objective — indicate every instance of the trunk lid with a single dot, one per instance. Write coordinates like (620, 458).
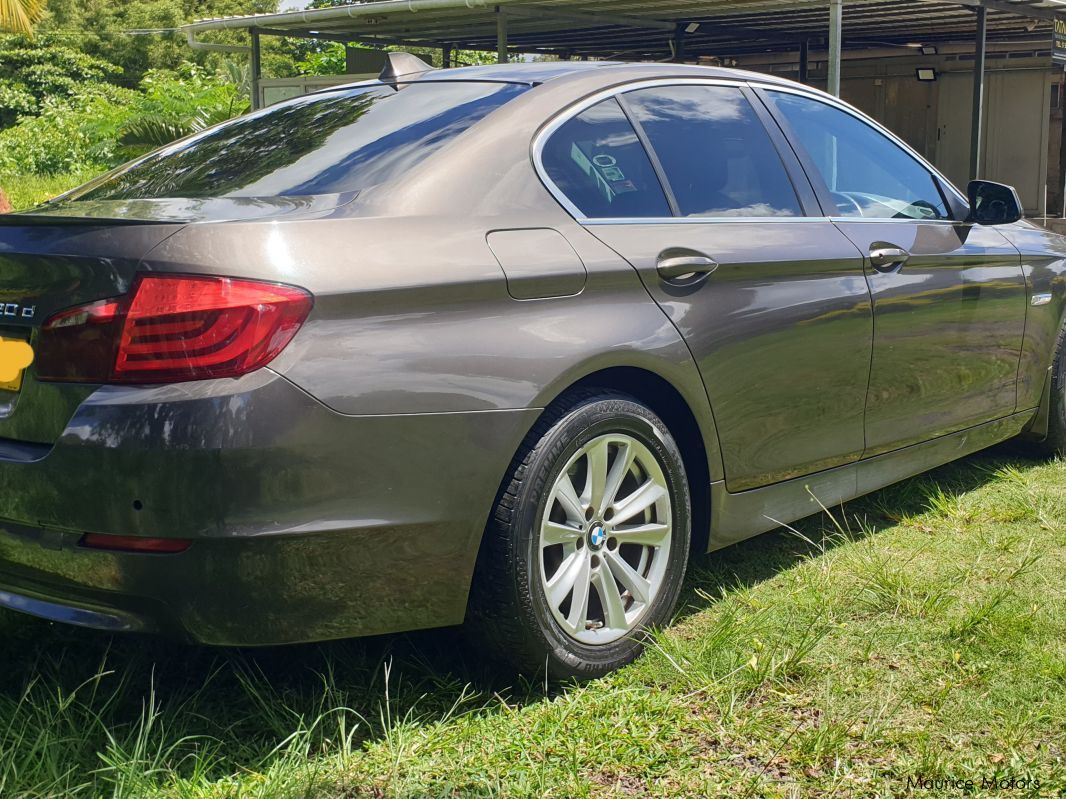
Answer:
(48, 263)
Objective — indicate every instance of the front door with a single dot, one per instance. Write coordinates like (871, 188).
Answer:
(949, 298)
(688, 183)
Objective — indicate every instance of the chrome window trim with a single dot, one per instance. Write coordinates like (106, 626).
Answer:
(574, 109)
(701, 220)
(765, 220)
(870, 220)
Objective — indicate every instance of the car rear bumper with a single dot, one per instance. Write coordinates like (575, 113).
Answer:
(304, 524)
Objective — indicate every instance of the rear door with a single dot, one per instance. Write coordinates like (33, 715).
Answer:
(949, 298)
(687, 181)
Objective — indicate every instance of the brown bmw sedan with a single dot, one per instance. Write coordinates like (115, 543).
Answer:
(499, 344)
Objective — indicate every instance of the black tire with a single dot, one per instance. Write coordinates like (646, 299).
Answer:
(1054, 444)
(509, 611)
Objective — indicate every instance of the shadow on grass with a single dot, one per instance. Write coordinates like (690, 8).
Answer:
(239, 705)
(751, 562)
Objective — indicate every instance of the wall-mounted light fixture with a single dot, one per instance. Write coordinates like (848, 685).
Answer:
(925, 74)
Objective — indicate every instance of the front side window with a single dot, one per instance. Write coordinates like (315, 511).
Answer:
(597, 161)
(867, 174)
(717, 156)
(330, 143)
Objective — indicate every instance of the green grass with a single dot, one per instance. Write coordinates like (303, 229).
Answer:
(26, 191)
(919, 633)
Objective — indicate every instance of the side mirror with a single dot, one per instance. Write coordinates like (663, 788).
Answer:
(993, 203)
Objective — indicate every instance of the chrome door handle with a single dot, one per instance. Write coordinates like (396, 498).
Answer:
(676, 266)
(888, 259)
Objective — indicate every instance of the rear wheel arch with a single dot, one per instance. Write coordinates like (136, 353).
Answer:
(667, 402)
(696, 438)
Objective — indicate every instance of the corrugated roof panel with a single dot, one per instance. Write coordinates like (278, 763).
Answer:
(726, 27)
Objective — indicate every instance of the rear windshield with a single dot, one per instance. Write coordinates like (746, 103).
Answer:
(342, 141)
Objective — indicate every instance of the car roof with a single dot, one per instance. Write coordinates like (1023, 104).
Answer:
(543, 71)
(518, 72)
(539, 72)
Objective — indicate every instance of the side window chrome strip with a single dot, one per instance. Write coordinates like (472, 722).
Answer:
(704, 220)
(870, 220)
(764, 220)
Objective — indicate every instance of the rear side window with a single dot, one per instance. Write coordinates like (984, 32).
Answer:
(320, 144)
(716, 154)
(597, 161)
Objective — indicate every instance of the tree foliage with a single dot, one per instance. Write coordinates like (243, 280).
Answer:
(83, 43)
(66, 134)
(104, 125)
(173, 106)
(102, 28)
(327, 58)
(105, 80)
(31, 71)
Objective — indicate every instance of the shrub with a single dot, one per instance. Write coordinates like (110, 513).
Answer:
(103, 125)
(173, 105)
(31, 72)
(67, 135)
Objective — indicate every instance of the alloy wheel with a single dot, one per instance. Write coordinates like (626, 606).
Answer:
(605, 539)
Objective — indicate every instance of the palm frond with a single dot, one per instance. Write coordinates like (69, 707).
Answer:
(19, 16)
(151, 131)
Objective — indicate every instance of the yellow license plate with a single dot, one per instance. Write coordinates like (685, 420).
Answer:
(13, 354)
(12, 385)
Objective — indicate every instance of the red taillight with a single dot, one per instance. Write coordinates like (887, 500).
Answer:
(129, 543)
(172, 328)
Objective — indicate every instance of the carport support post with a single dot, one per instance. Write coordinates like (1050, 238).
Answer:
(255, 68)
(501, 37)
(805, 61)
(978, 94)
(679, 42)
(1062, 146)
(836, 25)
(446, 56)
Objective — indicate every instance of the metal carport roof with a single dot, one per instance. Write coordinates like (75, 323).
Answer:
(649, 29)
(661, 29)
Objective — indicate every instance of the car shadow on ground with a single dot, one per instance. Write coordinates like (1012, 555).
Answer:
(751, 562)
(253, 699)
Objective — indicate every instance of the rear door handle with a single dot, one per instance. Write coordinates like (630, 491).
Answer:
(888, 258)
(671, 267)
